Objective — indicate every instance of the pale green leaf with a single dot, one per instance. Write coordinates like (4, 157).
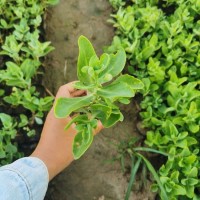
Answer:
(106, 115)
(82, 141)
(65, 106)
(115, 66)
(123, 86)
(86, 51)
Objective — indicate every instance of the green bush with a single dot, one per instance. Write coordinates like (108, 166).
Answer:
(21, 51)
(161, 39)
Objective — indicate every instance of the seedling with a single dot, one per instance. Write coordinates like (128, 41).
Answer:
(103, 94)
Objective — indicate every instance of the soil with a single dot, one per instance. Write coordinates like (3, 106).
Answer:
(94, 176)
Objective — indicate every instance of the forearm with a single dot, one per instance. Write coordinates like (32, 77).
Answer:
(58, 155)
(54, 161)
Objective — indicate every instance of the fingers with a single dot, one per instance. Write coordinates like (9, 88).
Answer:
(68, 90)
(70, 86)
(63, 91)
(78, 93)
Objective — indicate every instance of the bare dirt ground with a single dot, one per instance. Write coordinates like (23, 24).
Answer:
(92, 177)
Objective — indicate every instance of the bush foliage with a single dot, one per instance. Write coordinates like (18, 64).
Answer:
(161, 40)
(20, 60)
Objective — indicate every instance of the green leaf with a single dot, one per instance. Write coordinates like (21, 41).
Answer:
(53, 2)
(78, 118)
(104, 61)
(130, 81)
(81, 86)
(38, 120)
(14, 76)
(115, 66)
(6, 120)
(29, 68)
(23, 120)
(147, 52)
(11, 148)
(150, 150)
(2, 92)
(193, 172)
(134, 169)
(170, 128)
(86, 51)
(106, 115)
(114, 90)
(154, 40)
(31, 133)
(124, 100)
(156, 177)
(3, 23)
(65, 106)
(82, 141)
(194, 128)
(2, 154)
(191, 141)
(179, 190)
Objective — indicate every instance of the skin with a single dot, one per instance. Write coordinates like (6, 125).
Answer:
(55, 145)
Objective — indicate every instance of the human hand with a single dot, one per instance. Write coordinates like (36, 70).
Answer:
(55, 145)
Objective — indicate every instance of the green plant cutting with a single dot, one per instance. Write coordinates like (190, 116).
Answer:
(105, 86)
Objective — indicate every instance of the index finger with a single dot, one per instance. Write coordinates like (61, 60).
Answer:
(66, 90)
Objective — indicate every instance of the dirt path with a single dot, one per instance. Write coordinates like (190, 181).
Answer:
(91, 177)
(64, 24)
